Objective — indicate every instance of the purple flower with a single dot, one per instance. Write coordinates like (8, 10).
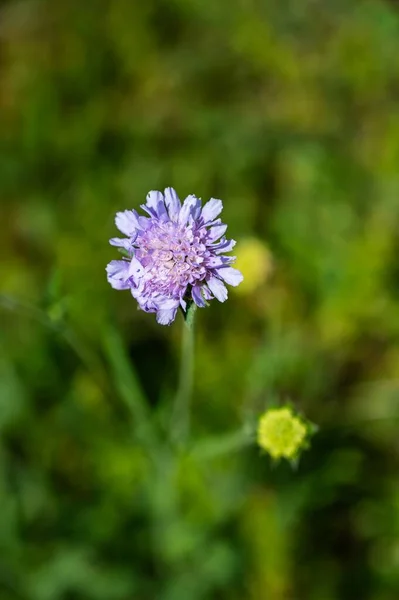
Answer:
(176, 254)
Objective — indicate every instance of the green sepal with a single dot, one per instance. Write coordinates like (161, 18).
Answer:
(124, 252)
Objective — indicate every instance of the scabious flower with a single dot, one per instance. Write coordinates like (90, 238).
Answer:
(281, 433)
(174, 256)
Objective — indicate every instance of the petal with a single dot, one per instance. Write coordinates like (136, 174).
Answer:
(118, 267)
(211, 210)
(197, 296)
(216, 232)
(191, 206)
(230, 275)
(125, 243)
(154, 198)
(166, 316)
(214, 262)
(118, 274)
(224, 246)
(143, 301)
(206, 293)
(144, 222)
(127, 222)
(167, 303)
(136, 270)
(172, 203)
(197, 205)
(155, 206)
(217, 288)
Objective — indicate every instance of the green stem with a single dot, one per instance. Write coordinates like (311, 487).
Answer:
(181, 412)
(129, 388)
(219, 446)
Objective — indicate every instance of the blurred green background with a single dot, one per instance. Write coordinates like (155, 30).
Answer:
(289, 112)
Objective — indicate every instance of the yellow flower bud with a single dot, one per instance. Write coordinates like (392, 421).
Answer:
(281, 433)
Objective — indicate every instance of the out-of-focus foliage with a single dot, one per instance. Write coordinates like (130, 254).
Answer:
(288, 111)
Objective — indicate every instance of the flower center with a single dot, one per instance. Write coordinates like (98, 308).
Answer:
(172, 255)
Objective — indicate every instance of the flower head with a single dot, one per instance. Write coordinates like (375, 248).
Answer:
(281, 433)
(175, 255)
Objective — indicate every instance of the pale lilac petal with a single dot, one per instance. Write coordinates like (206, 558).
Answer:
(216, 232)
(154, 198)
(144, 223)
(144, 302)
(136, 270)
(197, 296)
(224, 246)
(196, 207)
(167, 303)
(172, 204)
(219, 261)
(230, 275)
(125, 243)
(217, 288)
(118, 274)
(166, 316)
(211, 210)
(155, 206)
(191, 206)
(116, 267)
(127, 222)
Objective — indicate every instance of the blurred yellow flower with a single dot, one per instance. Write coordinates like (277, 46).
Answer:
(254, 260)
(281, 433)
